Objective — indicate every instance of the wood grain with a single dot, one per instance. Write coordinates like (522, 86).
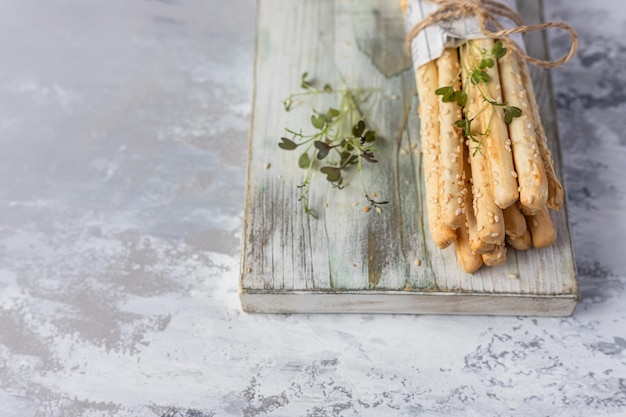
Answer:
(349, 260)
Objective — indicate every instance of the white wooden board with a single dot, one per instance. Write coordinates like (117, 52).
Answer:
(348, 260)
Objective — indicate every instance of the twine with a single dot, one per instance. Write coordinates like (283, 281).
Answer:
(486, 12)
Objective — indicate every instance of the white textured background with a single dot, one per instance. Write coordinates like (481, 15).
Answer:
(123, 135)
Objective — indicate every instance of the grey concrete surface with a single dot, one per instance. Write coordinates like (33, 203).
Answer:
(123, 133)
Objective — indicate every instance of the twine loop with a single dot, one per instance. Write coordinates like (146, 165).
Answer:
(486, 12)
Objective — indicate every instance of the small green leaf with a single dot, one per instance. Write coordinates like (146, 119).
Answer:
(511, 112)
(477, 76)
(358, 129)
(328, 88)
(304, 161)
(322, 149)
(498, 51)
(460, 97)
(318, 121)
(370, 136)
(333, 174)
(345, 155)
(348, 158)
(304, 83)
(287, 144)
(486, 63)
(332, 113)
(465, 125)
(446, 93)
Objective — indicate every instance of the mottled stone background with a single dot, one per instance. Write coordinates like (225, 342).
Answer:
(123, 132)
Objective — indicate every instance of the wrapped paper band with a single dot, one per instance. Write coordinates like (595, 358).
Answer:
(433, 25)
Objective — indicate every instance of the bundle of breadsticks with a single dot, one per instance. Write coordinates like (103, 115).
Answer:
(489, 175)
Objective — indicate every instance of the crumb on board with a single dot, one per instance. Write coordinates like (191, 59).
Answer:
(366, 209)
(267, 165)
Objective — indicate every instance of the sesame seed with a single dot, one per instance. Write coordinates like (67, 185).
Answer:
(495, 234)
(514, 174)
(496, 218)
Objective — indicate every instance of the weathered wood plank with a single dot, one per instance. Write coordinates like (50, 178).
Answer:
(349, 260)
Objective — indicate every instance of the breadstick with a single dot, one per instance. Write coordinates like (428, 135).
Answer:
(489, 219)
(495, 257)
(514, 222)
(451, 142)
(522, 242)
(496, 137)
(541, 229)
(533, 183)
(426, 80)
(555, 188)
(468, 260)
(477, 246)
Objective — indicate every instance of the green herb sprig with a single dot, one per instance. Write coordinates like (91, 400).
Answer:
(340, 142)
(478, 78)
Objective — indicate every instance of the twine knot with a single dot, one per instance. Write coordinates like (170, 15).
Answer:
(486, 12)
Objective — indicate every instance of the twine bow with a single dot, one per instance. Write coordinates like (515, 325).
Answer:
(486, 12)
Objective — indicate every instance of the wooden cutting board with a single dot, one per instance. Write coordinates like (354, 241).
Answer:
(349, 260)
